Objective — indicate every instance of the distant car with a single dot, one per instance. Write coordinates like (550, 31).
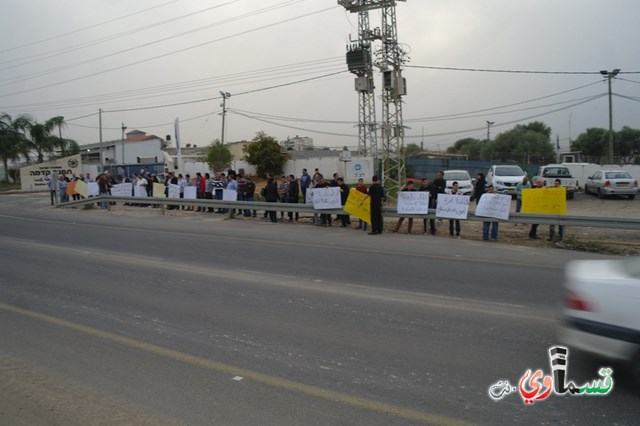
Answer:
(505, 178)
(602, 309)
(547, 175)
(462, 177)
(611, 182)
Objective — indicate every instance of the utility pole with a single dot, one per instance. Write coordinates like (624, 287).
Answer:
(360, 63)
(609, 75)
(489, 124)
(225, 96)
(100, 126)
(390, 59)
(123, 129)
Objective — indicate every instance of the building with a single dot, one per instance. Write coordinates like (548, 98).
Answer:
(298, 143)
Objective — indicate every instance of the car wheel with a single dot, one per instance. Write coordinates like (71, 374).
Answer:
(600, 194)
(631, 197)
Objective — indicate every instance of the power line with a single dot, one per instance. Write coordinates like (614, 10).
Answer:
(235, 94)
(293, 127)
(87, 27)
(512, 121)
(514, 71)
(50, 54)
(502, 106)
(41, 73)
(168, 54)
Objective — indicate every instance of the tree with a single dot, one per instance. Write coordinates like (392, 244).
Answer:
(217, 156)
(628, 144)
(265, 153)
(470, 147)
(592, 144)
(412, 150)
(12, 139)
(529, 143)
(42, 141)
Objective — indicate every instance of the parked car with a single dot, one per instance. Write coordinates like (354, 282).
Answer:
(462, 177)
(611, 182)
(549, 173)
(602, 309)
(505, 178)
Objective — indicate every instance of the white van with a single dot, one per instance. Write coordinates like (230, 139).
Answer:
(462, 177)
(504, 178)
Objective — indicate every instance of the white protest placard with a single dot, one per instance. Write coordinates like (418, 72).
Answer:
(309, 197)
(413, 202)
(122, 189)
(140, 191)
(452, 206)
(174, 190)
(494, 205)
(190, 193)
(229, 195)
(326, 198)
(94, 190)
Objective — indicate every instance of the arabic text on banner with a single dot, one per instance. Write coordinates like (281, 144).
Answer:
(122, 189)
(229, 195)
(544, 201)
(326, 198)
(359, 205)
(174, 190)
(94, 189)
(82, 188)
(190, 193)
(158, 190)
(413, 202)
(309, 197)
(494, 205)
(452, 206)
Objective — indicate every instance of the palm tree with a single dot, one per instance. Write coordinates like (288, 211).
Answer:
(44, 142)
(12, 139)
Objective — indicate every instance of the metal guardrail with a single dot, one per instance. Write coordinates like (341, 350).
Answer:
(542, 219)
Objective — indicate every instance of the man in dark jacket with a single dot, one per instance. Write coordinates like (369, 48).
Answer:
(294, 194)
(377, 195)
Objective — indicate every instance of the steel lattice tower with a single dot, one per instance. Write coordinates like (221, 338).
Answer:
(390, 60)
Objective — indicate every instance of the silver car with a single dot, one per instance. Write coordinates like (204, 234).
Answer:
(611, 182)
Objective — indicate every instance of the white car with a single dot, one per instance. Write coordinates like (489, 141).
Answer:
(602, 309)
(462, 177)
(504, 178)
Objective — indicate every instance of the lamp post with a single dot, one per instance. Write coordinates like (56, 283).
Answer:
(489, 124)
(225, 96)
(609, 75)
(123, 129)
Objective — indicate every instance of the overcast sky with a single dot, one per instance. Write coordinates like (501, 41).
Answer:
(71, 58)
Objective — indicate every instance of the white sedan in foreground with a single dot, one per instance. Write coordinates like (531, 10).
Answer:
(602, 309)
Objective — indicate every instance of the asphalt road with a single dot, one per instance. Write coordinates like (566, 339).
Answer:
(142, 319)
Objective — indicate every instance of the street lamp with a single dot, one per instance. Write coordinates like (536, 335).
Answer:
(489, 124)
(225, 96)
(609, 75)
(123, 129)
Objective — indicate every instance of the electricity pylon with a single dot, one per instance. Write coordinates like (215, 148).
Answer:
(390, 59)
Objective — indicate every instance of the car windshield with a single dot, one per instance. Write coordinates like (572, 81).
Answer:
(509, 171)
(618, 175)
(632, 266)
(456, 176)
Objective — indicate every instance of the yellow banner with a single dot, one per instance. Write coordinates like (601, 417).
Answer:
(544, 200)
(158, 190)
(358, 205)
(82, 188)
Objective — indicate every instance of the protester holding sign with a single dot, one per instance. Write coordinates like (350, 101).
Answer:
(454, 191)
(493, 225)
(408, 187)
